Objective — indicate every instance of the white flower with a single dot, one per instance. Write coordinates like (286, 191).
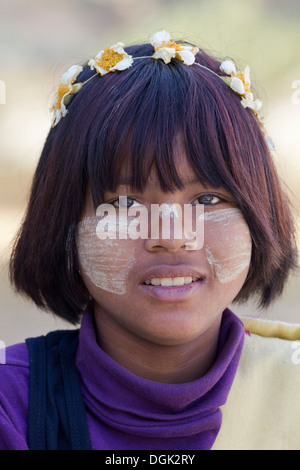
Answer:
(187, 55)
(111, 59)
(237, 85)
(65, 89)
(71, 74)
(159, 39)
(270, 143)
(239, 81)
(257, 104)
(166, 49)
(247, 76)
(228, 67)
(249, 102)
(165, 53)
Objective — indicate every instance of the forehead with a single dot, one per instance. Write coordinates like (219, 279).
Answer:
(184, 170)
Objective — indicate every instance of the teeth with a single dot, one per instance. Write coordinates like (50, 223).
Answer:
(169, 281)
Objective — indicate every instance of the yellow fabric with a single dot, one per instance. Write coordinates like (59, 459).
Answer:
(263, 407)
(274, 329)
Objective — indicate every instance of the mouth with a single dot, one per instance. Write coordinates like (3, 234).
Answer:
(165, 285)
(172, 281)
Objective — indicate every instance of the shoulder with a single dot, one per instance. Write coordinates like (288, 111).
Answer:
(272, 329)
(269, 345)
(13, 364)
(15, 355)
(263, 407)
(14, 369)
(14, 385)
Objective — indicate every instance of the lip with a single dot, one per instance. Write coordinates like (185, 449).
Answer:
(172, 293)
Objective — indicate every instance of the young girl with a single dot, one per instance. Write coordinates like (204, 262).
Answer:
(157, 132)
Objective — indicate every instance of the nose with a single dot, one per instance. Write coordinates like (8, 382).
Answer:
(170, 229)
(162, 244)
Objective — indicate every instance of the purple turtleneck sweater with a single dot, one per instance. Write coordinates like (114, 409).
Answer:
(125, 411)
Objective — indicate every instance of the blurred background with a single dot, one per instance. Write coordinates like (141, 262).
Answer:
(40, 39)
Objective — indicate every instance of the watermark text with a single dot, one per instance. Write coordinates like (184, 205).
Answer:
(2, 352)
(296, 93)
(296, 354)
(133, 222)
(2, 92)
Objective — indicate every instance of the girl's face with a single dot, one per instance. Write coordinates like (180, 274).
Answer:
(129, 279)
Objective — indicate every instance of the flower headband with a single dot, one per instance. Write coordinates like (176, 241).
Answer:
(115, 58)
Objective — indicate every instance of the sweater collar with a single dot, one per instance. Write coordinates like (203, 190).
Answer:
(141, 407)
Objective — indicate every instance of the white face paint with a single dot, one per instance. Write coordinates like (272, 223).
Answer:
(227, 243)
(104, 262)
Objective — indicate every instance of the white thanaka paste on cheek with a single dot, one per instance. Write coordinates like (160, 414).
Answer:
(228, 244)
(105, 262)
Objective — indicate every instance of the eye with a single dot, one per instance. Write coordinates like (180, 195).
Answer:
(124, 202)
(209, 199)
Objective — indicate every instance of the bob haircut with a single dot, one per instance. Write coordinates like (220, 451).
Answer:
(132, 118)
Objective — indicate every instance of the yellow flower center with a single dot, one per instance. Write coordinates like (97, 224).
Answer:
(241, 76)
(62, 90)
(109, 59)
(174, 45)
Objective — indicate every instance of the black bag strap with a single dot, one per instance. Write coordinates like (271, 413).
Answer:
(56, 414)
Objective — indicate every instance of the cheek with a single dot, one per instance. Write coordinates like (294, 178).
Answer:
(227, 244)
(104, 262)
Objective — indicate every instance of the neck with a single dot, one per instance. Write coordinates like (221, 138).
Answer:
(172, 364)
